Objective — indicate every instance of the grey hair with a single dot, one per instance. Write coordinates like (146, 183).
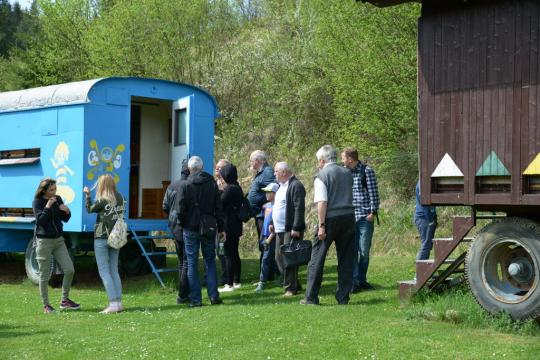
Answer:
(327, 153)
(195, 164)
(258, 155)
(282, 165)
(224, 162)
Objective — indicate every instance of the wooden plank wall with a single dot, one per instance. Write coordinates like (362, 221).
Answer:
(478, 76)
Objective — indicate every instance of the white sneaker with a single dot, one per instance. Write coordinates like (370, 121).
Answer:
(226, 288)
(237, 285)
(110, 310)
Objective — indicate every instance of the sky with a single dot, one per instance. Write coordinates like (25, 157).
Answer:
(25, 4)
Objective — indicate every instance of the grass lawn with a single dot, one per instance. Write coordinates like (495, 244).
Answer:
(248, 325)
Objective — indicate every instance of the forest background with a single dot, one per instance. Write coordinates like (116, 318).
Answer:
(289, 76)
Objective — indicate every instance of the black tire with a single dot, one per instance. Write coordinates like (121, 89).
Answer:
(30, 262)
(503, 268)
(132, 262)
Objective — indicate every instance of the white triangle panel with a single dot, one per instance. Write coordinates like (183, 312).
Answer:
(447, 168)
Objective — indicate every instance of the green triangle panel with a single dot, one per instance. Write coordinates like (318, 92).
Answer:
(492, 166)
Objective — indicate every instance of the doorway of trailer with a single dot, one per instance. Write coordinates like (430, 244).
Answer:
(159, 139)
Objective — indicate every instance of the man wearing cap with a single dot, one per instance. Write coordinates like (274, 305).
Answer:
(335, 213)
(288, 217)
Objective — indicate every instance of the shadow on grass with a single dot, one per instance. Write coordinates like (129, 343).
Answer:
(10, 331)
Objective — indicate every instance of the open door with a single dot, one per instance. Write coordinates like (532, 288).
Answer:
(182, 117)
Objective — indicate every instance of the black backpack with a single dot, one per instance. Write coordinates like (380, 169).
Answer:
(244, 211)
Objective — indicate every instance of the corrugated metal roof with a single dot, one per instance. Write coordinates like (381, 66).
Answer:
(61, 94)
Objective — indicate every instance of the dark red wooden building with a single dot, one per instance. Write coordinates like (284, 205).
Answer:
(479, 141)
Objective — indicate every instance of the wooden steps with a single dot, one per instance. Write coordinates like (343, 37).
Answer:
(426, 270)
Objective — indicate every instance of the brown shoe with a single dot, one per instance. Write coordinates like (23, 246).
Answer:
(289, 294)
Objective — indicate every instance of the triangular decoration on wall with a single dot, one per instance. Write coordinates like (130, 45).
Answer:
(492, 166)
(447, 168)
(534, 167)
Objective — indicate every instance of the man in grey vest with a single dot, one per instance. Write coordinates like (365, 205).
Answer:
(335, 213)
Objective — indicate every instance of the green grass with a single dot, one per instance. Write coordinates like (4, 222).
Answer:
(252, 326)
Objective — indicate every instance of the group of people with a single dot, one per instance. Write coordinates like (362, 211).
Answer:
(203, 214)
(347, 202)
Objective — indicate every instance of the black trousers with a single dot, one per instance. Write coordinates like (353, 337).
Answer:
(183, 284)
(290, 275)
(232, 257)
(340, 229)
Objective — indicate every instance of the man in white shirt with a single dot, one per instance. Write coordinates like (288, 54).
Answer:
(288, 218)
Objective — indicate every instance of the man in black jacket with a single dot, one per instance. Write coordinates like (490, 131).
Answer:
(169, 207)
(200, 214)
(288, 217)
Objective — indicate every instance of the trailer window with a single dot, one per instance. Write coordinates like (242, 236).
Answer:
(19, 156)
(180, 127)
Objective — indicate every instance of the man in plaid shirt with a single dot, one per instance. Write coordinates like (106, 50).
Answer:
(366, 205)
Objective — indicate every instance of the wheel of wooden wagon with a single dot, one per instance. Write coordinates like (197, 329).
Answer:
(30, 262)
(503, 268)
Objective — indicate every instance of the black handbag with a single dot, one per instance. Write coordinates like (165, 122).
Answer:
(296, 253)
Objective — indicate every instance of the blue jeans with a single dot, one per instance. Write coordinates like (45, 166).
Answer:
(364, 234)
(107, 262)
(268, 263)
(192, 242)
(426, 231)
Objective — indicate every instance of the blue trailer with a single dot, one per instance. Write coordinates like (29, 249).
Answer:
(138, 130)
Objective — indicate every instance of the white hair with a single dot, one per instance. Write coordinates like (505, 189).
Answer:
(327, 153)
(283, 166)
(258, 155)
(195, 164)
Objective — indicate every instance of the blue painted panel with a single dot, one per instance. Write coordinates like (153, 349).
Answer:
(201, 133)
(71, 118)
(59, 155)
(106, 150)
(63, 161)
(14, 240)
(117, 96)
(22, 130)
(48, 121)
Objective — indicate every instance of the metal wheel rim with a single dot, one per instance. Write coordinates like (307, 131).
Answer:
(495, 274)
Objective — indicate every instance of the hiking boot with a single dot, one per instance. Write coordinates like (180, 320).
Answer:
(216, 301)
(67, 304)
(48, 309)
(260, 288)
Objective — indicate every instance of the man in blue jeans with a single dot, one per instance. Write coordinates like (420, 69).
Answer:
(366, 205)
(425, 218)
(200, 214)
